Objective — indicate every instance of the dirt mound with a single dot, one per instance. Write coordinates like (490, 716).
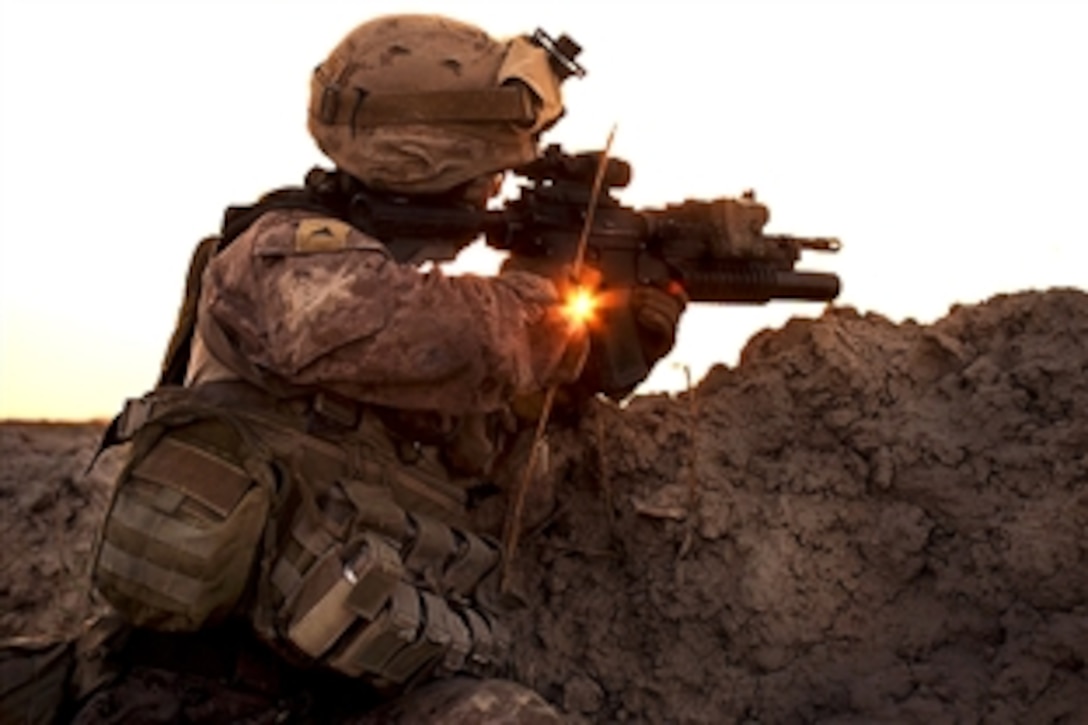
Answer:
(889, 525)
(861, 522)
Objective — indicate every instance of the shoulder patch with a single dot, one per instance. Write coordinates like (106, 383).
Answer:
(321, 235)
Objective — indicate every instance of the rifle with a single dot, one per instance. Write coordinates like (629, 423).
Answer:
(716, 250)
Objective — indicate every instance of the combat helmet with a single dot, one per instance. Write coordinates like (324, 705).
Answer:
(422, 103)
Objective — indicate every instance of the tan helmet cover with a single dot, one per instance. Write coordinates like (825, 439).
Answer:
(423, 103)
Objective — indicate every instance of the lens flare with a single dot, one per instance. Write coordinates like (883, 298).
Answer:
(580, 306)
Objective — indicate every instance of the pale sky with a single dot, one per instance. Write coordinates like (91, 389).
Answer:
(943, 142)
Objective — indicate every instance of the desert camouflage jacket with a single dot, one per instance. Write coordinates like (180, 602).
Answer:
(316, 303)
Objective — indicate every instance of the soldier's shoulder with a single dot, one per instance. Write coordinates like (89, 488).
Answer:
(291, 232)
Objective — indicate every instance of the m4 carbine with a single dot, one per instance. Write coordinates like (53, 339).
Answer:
(715, 250)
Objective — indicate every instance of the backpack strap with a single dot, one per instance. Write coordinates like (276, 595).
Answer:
(176, 359)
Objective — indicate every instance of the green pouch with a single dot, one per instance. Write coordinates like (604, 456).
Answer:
(182, 533)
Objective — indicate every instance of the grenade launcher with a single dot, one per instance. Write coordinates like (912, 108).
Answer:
(716, 250)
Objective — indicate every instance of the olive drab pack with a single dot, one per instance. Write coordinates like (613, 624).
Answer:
(187, 516)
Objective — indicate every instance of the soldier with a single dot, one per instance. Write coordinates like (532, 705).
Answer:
(301, 506)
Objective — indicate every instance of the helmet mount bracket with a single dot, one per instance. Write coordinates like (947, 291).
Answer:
(562, 54)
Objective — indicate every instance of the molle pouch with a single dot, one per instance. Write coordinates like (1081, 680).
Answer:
(181, 536)
(382, 594)
(335, 594)
(416, 632)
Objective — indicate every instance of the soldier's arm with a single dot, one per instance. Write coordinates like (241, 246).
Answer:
(316, 302)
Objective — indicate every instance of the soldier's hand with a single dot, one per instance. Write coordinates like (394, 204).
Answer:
(657, 312)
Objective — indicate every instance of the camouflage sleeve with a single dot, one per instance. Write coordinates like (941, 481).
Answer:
(316, 302)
